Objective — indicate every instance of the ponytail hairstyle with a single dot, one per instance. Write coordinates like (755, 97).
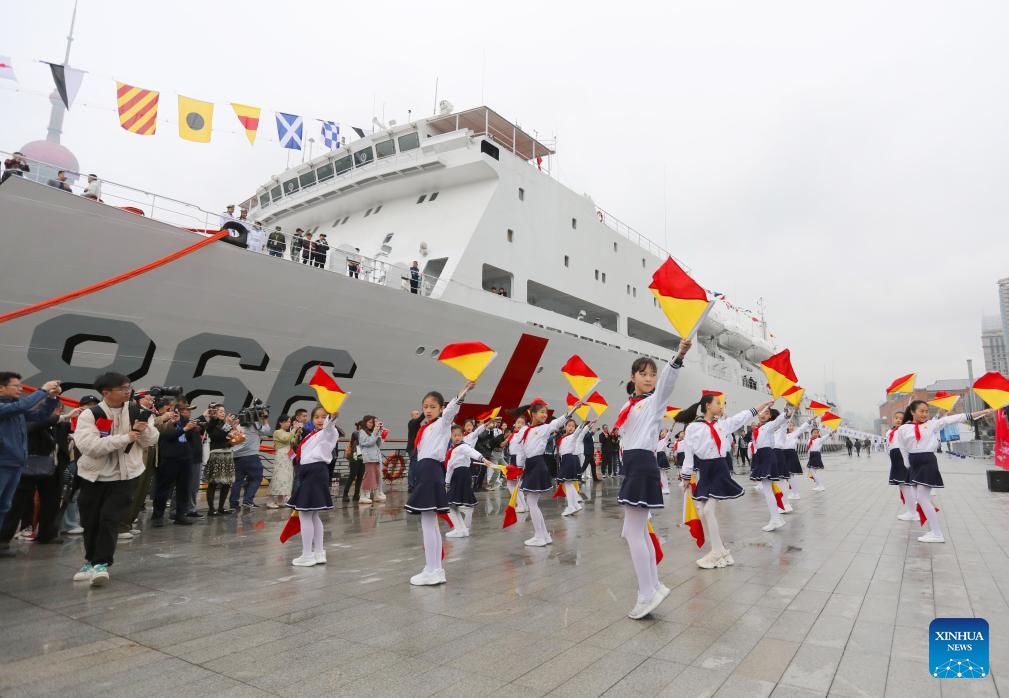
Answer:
(437, 398)
(696, 410)
(534, 407)
(909, 412)
(774, 414)
(640, 364)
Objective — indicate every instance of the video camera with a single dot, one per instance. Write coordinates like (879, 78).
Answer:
(254, 413)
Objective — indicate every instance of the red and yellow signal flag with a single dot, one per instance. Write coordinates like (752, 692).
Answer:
(138, 109)
(582, 412)
(818, 408)
(510, 516)
(690, 516)
(655, 541)
(291, 528)
(831, 420)
(778, 496)
(793, 396)
(331, 395)
(993, 388)
(468, 358)
(681, 298)
(248, 117)
(944, 401)
(671, 412)
(598, 403)
(489, 414)
(779, 372)
(579, 375)
(904, 384)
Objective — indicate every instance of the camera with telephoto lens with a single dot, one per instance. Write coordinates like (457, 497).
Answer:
(254, 413)
(157, 391)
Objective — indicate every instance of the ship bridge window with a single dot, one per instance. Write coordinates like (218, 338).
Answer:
(614, 247)
(640, 330)
(385, 148)
(433, 269)
(276, 193)
(489, 149)
(307, 180)
(291, 186)
(363, 156)
(559, 302)
(494, 278)
(343, 164)
(264, 200)
(410, 141)
(325, 172)
(511, 235)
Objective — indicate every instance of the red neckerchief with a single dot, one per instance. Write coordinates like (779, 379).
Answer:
(889, 435)
(917, 432)
(809, 446)
(297, 451)
(756, 433)
(448, 454)
(420, 432)
(714, 435)
(525, 434)
(622, 417)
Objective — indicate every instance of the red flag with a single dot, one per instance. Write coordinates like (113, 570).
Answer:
(447, 519)
(559, 492)
(655, 542)
(921, 513)
(691, 517)
(291, 528)
(511, 517)
(777, 495)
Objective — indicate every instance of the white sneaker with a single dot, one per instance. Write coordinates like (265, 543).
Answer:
(136, 531)
(711, 561)
(320, 558)
(85, 573)
(126, 536)
(549, 540)
(304, 561)
(931, 538)
(75, 531)
(768, 527)
(665, 491)
(757, 487)
(788, 509)
(908, 516)
(536, 542)
(579, 506)
(458, 532)
(780, 523)
(643, 608)
(364, 501)
(100, 575)
(379, 497)
(727, 558)
(427, 579)
(819, 488)
(568, 511)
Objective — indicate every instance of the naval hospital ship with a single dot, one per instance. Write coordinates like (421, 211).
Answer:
(461, 193)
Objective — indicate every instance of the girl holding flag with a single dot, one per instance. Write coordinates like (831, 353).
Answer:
(764, 467)
(898, 469)
(459, 479)
(705, 444)
(815, 463)
(568, 445)
(919, 438)
(638, 422)
(793, 466)
(516, 462)
(312, 494)
(428, 497)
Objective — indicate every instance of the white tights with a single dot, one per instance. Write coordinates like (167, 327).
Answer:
(571, 494)
(663, 479)
(924, 497)
(432, 541)
(816, 476)
(909, 498)
(539, 523)
(772, 503)
(642, 551)
(711, 526)
(520, 503)
(311, 533)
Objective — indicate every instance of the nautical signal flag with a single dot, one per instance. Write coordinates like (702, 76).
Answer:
(468, 358)
(290, 130)
(489, 414)
(598, 403)
(138, 109)
(68, 81)
(993, 388)
(690, 516)
(655, 540)
(818, 408)
(248, 117)
(681, 298)
(944, 401)
(793, 396)
(831, 420)
(779, 372)
(510, 516)
(579, 375)
(291, 528)
(904, 384)
(671, 412)
(331, 395)
(582, 412)
(195, 119)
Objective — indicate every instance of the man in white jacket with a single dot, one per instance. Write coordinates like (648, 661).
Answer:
(111, 438)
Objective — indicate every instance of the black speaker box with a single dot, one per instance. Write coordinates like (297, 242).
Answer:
(998, 480)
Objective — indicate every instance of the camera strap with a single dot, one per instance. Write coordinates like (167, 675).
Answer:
(134, 413)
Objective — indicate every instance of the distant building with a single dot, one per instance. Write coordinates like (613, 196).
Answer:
(993, 344)
(958, 386)
(1003, 302)
(831, 389)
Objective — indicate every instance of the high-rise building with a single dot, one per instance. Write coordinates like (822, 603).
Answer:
(993, 344)
(830, 388)
(1003, 302)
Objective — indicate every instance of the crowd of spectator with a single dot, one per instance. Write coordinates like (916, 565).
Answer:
(17, 165)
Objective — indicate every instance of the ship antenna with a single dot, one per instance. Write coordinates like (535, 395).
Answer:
(435, 110)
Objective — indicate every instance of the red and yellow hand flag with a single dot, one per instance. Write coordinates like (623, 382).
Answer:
(331, 396)
(510, 516)
(468, 358)
(291, 528)
(779, 372)
(655, 541)
(993, 388)
(904, 384)
(681, 298)
(598, 403)
(818, 408)
(488, 415)
(671, 412)
(690, 516)
(559, 492)
(579, 375)
(778, 496)
(582, 412)
(944, 401)
(793, 396)
(831, 420)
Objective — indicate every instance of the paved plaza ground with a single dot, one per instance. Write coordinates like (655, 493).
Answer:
(837, 603)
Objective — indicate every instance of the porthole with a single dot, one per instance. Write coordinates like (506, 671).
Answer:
(434, 352)
(420, 350)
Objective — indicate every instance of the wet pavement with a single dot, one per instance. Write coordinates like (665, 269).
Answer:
(836, 603)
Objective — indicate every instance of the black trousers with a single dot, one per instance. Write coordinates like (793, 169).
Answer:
(479, 476)
(743, 455)
(172, 473)
(356, 477)
(22, 513)
(102, 505)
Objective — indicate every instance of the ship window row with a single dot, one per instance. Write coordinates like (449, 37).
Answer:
(427, 197)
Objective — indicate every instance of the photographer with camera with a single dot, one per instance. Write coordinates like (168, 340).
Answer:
(158, 401)
(110, 438)
(174, 462)
(255, 423)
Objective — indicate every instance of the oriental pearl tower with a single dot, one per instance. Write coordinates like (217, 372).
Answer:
(48, 156)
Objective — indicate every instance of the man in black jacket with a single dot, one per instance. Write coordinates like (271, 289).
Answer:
(174, 462)
(606, 451)
(589, 449)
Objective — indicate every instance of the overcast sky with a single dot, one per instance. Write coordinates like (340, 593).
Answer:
(847, 161)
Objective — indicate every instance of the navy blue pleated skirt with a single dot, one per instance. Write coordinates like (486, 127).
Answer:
(642, 486)
(898, 470)
(571, 468)
(764, 465)
(792, 461)
(714, 480)
(536, 477)
(429, 490)
(460, 488)
(312, 493)
(815, 461)
(662, 459)
(781, 465)
(923, 469)
(680, 457)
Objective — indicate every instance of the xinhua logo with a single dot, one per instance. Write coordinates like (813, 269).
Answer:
(958, 648)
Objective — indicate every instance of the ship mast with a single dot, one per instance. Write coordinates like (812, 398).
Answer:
(55, 129)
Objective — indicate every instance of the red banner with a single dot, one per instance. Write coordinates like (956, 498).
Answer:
(1001, 440)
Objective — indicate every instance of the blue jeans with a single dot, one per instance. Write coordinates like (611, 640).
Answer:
(248, 473)
(9, 479)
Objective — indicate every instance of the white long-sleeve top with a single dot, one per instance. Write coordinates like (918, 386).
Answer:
(929, 431)
(572, 443)
(698, 441)
(470, 438)
(663, 444)
(640, 431)
(462, 455)
(766, 431)
(320, 443)
(534, 440)
(792, 440)
(892, 441)
(515, 448)
(434, 441)
(816, 444)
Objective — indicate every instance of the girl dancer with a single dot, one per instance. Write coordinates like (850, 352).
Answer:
(516, 462)
(815, 463)
(898, 470)
(764, 467)
(705, 444)
(919, 438)
(536, 477)
(282, 479)
(569, 444)
(459, 479)
(662, 457)
(312, 495)
(793, 466)
(428, 496)
(639, 422)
